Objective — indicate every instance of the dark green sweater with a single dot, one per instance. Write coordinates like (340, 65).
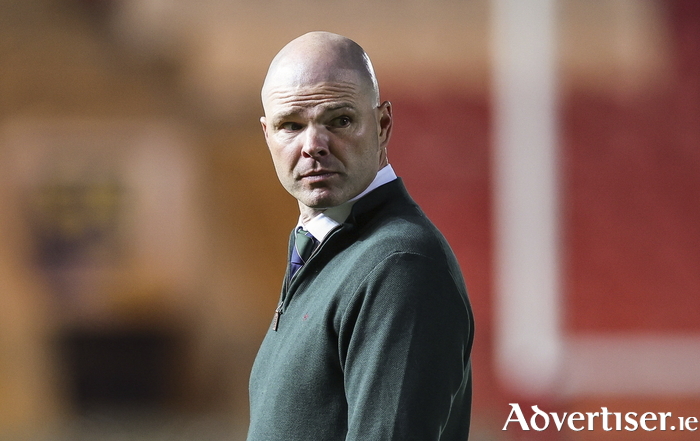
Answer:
(375, 336)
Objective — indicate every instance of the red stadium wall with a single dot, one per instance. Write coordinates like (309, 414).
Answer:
(630, 200)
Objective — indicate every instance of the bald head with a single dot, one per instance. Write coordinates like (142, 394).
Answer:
(319, 57)
(324, 126)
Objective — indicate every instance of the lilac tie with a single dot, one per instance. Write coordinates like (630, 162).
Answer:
(304, 244)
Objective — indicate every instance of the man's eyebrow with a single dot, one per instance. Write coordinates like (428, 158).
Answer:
(285, 114)
(280, 116)
(338, 106)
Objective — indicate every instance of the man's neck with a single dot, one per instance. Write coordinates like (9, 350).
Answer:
(307, 213)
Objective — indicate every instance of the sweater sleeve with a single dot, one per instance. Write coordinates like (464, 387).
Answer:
(405, 342)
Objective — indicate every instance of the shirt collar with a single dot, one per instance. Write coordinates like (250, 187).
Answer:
(323, 223)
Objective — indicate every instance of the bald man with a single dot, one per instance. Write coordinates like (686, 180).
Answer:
(372, 336)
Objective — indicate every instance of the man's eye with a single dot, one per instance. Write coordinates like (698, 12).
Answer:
(341, 121)
(293, 126)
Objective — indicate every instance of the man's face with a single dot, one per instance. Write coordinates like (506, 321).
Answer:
(327, 139)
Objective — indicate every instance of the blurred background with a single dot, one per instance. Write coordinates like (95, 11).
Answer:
(143, 231)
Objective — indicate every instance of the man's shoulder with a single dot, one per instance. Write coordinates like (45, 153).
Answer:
(389, 217)
(411, 229)
(399, 233)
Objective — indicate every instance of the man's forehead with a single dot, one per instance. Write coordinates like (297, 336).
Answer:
(305, 93)
(317, 100)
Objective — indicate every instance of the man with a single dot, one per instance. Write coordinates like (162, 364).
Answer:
(372, 337)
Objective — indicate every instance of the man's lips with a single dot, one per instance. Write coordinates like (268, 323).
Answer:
(318, 175)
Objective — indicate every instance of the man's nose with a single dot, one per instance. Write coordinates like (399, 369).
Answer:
(315, 142)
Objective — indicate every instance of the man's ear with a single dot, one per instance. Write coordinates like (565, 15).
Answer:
(385, 122)
(263, 123)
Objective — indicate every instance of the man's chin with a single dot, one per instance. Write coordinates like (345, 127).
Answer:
(321, 201)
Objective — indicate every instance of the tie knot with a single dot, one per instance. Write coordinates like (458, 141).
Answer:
(304, 243)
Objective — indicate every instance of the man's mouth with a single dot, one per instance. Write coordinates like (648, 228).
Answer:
(319, 175)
